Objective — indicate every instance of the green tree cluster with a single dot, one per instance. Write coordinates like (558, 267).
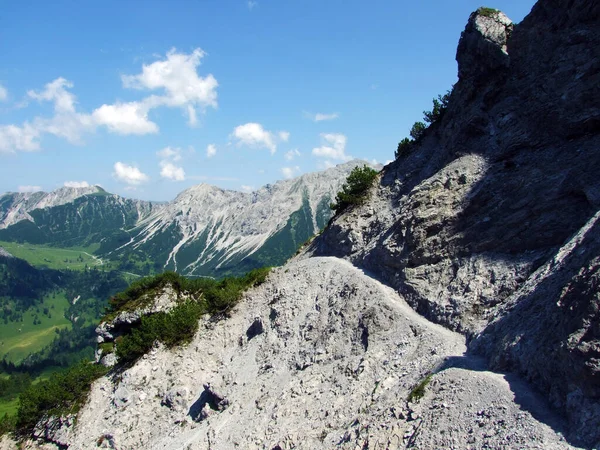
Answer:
(61, 394)
(440, 104)
(354, 191)
(178, 326)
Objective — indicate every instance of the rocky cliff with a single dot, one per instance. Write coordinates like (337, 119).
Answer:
(489, 225)
(457, 308)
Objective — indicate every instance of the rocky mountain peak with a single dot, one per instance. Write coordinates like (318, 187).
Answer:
(16, 206)
(483, 44)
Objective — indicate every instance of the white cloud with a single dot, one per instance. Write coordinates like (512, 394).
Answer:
(251, 4)
(334, 147)
(289, 156)
(55, 91)
(177, 76)
(192, 119)
(211, 150)
(129, 174)
(125, 118)
(76, 184)
(24, 138)
(66, 122)
(319, 117)
(247, 189)
(290, 172)
(171, 153)
(254, 135)
(29, 188)
(171, 172)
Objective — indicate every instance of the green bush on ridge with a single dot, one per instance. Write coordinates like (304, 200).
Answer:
(355, 189)
(440, 105)
(178, 326)
(65, 392)
(61, 394)
(487, 12)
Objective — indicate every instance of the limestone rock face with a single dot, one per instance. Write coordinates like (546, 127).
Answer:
(108, 331)
(483, 45)
(489, 227)
(333, 366)
(497, 190)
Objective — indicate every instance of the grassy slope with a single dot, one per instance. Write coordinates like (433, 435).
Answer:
(75, 258)
(15, 345)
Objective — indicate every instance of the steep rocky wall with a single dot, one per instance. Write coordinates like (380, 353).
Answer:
(492, 192)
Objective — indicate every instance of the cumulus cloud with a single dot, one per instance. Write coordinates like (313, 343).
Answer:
(125, 118)
(129, 174)
(76, 184)
(255, 136)
(28, 188)
(211, 150)
(3, 93)
(178, 78)
(56, 91)
(247, 189)
(333, 147)
(174, 154)
(174, 78)
(181, 86)
(251, 4)
(290, 172)
(171, 172)
(290, 155)
(24, 138)
(66, 122)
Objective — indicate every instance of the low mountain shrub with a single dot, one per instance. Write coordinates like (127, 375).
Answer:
(178, 326)
(487, 12)
(61, 394)
(354, 191)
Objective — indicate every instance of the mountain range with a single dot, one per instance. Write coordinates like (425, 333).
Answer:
(204, 231)
(456, 306)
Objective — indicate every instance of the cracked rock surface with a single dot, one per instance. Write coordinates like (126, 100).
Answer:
(333, 366)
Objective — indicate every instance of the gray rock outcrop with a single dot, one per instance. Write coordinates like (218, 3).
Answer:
(334, 367)
(486, 236)
(493, 193)
(483, 46)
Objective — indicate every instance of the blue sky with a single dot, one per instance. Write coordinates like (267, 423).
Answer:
(147, 98)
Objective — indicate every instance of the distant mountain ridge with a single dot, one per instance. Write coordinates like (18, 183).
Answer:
(15, 206)
(204, 231)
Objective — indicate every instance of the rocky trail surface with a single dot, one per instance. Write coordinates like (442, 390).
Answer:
(320, 356)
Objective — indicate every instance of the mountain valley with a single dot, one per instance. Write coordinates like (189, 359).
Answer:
(453, 302)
